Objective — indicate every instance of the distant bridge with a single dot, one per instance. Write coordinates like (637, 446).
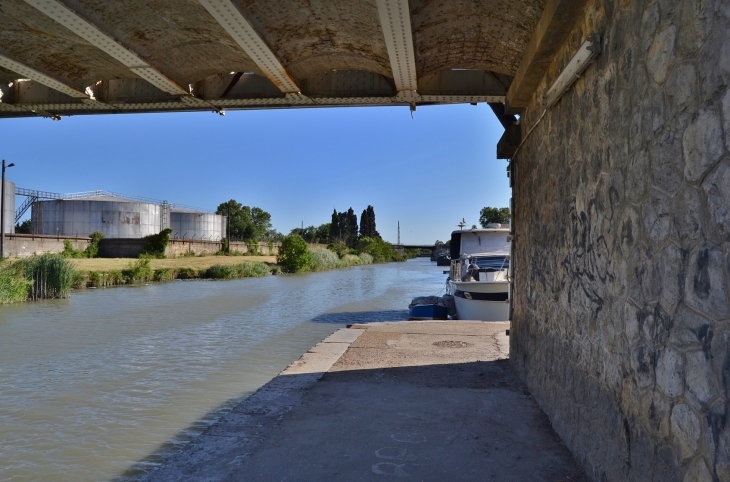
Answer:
(432, 248)
(415, 246)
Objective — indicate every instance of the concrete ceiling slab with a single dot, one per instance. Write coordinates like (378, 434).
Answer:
(312, 37)
(32, 38)
(178, 37)
(472, 34)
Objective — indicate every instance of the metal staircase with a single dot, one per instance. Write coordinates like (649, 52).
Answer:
(31, 197)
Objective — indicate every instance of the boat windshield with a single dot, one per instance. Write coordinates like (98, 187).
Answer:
(495, 262)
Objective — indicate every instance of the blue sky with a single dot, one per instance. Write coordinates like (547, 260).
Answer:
(427, 172)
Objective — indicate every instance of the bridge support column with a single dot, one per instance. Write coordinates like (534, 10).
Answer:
(621, 323)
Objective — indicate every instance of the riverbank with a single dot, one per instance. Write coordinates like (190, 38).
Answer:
(191, 262)
(429, 400)
(110, 272)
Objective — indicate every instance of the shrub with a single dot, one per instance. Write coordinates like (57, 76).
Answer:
(92, 250)
(243, 270)
(156, 244)
(14, 286)
(164, 274)
(187, 273)
(138, 271)
(411, 253)
(80, 280)
(341, 248)
(294, 254)
(324, 259)
(221, 271)
(366, 258)
(69, 251)
(380, 250)
(254, 270)
(252, 248)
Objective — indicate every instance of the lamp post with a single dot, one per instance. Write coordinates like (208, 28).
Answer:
(2, 212)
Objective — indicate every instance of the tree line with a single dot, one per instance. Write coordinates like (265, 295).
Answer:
(343, 228)
(247, 223)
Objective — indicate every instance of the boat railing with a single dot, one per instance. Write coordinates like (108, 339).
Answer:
(455, 272)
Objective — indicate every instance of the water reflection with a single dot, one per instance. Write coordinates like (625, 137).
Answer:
(90, 385)
(361, 317)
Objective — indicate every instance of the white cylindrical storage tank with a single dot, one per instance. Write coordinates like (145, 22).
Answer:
(196, 225)
(116, 218)
(9, 192)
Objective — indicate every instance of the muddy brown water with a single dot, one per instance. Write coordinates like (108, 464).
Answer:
(115, 379)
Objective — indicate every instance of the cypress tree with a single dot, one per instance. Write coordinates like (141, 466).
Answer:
(371, 222)
(342, 226)
(365, 224)
(351, 228)
(335, 230)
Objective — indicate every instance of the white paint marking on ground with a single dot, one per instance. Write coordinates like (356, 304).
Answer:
(391, 453)
(389, 468)
(409, 438)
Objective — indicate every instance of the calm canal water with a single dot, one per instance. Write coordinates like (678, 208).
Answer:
(117, 378)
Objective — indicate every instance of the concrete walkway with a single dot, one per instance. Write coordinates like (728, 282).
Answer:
(414, 400)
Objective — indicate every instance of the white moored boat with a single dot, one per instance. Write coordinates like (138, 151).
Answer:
(478, 278)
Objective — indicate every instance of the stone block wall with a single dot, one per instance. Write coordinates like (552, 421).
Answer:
(25, 245)
(181, 247)
(133, 247)
(621, 323)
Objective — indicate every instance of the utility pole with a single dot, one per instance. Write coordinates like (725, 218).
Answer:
(2, 212)
(228, 228)
(398, 233)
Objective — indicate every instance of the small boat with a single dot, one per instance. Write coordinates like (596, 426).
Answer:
(443, 259)
(428, 308)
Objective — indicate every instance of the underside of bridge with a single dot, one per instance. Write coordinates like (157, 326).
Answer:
(619, 165)
(94, 56)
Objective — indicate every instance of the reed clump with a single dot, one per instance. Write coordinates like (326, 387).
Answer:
(51, 275)
(36, 278)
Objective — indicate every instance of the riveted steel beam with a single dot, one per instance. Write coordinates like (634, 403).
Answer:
(34, 80)
(287, 101)
(84, 29)
(395, 20)
(233, 21)
(31, 73)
